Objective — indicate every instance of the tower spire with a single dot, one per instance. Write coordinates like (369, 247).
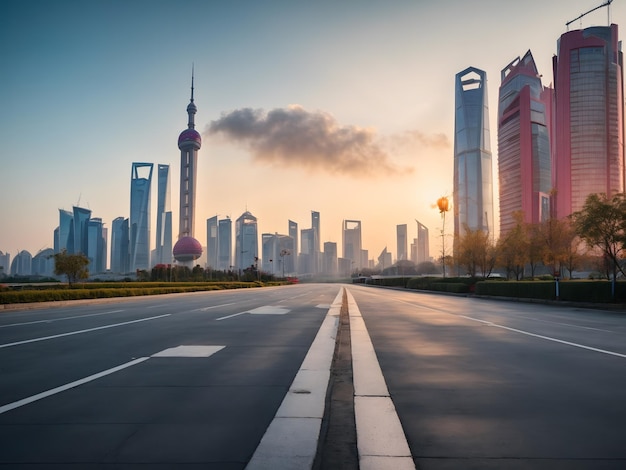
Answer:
(191, 107)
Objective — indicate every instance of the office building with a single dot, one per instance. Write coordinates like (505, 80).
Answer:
(80, 221)
(120, 242)
(276, 254)
(246, 241)
(64, 234)
(42, 263)
(589, 117)
(211, 242)
(140, 184)
(293, 233)
(22, 263)
(5, 264)
(330, 262)
(351, 238)
(402, 242)
(96, 246)
(307, 259)
(163, 250)
(422, 244)
(187, 248)
(524, 155)
(473, 185)
(224, 244)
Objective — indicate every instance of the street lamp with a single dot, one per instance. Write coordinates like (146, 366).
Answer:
(443, 205)
(283, 253)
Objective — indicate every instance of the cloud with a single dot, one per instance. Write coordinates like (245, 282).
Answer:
(295, 138)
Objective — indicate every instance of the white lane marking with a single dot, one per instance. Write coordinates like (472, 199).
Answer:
(381, 442)
(548, 338)
(44, 338)
(266, 310)
(52, 320)
(291, 439)
(230, 316)
(215, 306)
(62, 388)
(189, 351)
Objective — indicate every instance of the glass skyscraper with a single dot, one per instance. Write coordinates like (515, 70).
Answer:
(246, 241)
(141, 181)
(120, 239)
(524, 156)
(402, 241)
(473, 181)
(351, 235)
(225, 244)
(589, 119)
(81, 218)
(163, 253)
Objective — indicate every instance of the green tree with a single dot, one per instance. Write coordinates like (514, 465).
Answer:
(72, 266)
(601, 223)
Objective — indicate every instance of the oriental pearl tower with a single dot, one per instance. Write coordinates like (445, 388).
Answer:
(187, 248)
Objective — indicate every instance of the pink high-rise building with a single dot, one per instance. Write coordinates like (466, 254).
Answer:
(589, 117)
(524, 155)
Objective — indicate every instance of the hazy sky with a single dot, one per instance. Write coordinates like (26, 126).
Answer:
(342, 107)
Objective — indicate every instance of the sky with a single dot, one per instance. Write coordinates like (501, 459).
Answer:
(341, 107)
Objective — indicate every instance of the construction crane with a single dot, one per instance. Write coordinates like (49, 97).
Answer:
(605, 4)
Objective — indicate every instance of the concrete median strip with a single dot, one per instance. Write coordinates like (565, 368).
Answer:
(291, 440)
(381, 441)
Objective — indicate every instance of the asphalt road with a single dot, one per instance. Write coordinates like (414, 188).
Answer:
(201, 381)
(162, 408)
(485, 384)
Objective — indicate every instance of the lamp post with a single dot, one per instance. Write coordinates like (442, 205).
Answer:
(444, 206)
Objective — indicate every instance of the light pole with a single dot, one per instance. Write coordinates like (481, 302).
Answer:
(443, 205)
(282, 259)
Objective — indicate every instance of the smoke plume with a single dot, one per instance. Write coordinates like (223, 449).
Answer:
(294, 137)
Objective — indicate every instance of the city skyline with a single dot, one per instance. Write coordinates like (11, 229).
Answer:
(91, 90)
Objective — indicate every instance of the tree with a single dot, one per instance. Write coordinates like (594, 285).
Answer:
(475, 252)
(601, 223)
(72, 266)
(557, 240)
(513, 248)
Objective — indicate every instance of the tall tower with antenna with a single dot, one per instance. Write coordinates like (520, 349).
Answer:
(187, 248)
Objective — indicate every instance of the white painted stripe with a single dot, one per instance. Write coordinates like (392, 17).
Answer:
(62, 388)
(381, 442)
(290, 442)
(230, 316)
(52, 320)
(215, 306)
(44, 338)
(548, 338)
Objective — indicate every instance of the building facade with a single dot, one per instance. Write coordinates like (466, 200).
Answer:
(351, 241)
(422, 243)
(225, 244)
(473, 180)
(524, 150)
(246, 241)
(589, 117)
(163, 250)
(120, 243)
(140, 214)
(402, 242)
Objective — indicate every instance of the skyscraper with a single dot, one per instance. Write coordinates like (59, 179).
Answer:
(293, 233)
(96, 245)
(187, 248)
(211, 242)
(120, 239)
(351, 235)
(473, 186)
(315, 225)
(163, 252)
(81, 218)
(402, 241)
(524, 156)
(589, 116)
(422, 244)
(65, 239)
(225, 244)
(139, 229)
(246, 241)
